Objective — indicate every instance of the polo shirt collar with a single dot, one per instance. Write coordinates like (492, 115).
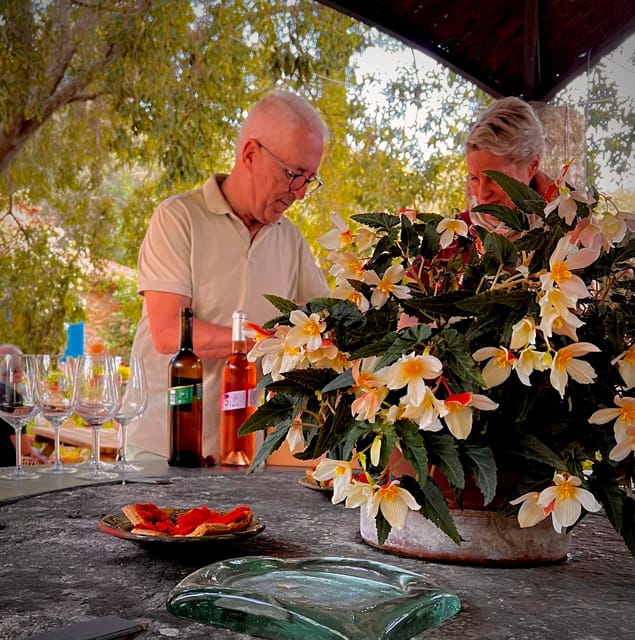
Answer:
(214, 199)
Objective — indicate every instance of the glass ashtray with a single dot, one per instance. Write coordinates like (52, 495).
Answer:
(312, 599)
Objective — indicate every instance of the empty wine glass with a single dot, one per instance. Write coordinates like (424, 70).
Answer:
(54, 396)
(17, 403)
(134, 400)
(96, 399)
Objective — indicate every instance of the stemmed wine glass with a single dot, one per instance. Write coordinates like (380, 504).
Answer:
(17, 403)
(54, 396)
(134, 400)
(96, 399)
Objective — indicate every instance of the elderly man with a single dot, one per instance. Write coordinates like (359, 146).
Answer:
(222, 246)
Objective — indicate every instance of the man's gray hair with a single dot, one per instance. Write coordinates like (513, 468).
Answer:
(294, 109)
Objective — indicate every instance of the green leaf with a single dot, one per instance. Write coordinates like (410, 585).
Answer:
(409, 238)
(345, 379)
(404, 342)
(272, 442)
(513, 218)
(311, 379)
(501, 249)
(482, 467)
(433, 505)
(442, 453)
(521, 194)
(483, 302)
(528, 446)
(282, 304)
(383, 528)
(377, 220)
(281, 409)
(442, 305)
(430, 245)
(414, 449)
(453, 348)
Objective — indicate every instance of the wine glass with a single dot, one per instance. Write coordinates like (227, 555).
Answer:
(55, 377)
(134, 400)
(17, 403)
(96, 399)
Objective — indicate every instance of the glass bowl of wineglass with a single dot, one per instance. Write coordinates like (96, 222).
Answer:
(133, 389)
(17, 403)
(55, 378)
(96, 399)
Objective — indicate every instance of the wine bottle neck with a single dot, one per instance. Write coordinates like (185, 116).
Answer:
(239, 346)
(187, 320)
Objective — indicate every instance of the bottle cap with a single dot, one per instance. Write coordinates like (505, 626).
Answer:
(238, 319)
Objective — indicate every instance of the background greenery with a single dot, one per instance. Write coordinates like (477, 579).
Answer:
(108, 107)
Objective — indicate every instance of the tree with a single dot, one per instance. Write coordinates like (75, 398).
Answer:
(108, 106)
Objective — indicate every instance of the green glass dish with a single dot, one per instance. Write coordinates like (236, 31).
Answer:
(312, 599)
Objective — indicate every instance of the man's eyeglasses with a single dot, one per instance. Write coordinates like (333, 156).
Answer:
(297, 181)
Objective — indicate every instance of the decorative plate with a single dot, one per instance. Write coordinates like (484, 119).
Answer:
(305, 482)
(312, 598)
(118, 525)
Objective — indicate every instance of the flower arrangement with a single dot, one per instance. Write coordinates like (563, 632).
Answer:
(478, 354)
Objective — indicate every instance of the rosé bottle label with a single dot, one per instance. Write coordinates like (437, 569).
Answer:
(232, 400)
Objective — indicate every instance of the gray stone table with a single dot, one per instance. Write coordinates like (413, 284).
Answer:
(57, 568)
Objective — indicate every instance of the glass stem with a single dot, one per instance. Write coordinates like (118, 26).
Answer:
(96, 430)
(123, 424)
(18, 447)
(56, 430)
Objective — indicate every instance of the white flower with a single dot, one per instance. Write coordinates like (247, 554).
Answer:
(307, 330)
(448, 228)
(459, 416)
(359, 494)
(394, 502)
(523, 334)
(344, 291)
(340, 471)
(529, 361)
(295, 435)
(427, 413)
(338, 237)
(364, 238)
(623, 414)
(412, 370)
(626, 366)
(387, 285)
(565, 500)
(625, 445)
(530, 513)
(566, 364)
(500, 365)
(565, 258)
(566, 203)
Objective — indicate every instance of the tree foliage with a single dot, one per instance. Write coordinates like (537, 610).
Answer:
(109, 106)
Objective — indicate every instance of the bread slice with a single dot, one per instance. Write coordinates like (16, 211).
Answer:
(148, 519)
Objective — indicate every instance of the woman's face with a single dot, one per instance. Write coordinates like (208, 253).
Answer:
(483, 188)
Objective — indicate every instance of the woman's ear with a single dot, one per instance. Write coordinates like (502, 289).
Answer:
(533, 165)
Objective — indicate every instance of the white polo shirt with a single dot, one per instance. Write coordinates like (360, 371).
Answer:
(195, 246)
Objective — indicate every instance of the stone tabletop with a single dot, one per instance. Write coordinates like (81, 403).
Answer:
(57, 568)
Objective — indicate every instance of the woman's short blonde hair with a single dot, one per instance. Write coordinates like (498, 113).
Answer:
(509, 128)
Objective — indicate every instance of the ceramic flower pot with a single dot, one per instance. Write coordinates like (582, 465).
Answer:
(488, 539)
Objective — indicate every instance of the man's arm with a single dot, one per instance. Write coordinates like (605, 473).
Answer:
(210, 340)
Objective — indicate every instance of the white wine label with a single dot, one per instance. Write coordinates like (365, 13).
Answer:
(184, 395)
(232, 400)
